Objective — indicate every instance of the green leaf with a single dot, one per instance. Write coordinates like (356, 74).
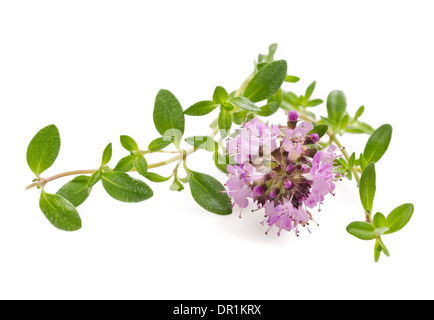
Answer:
(359, 112)
(378, 143)
(141, 165)
(336, 105)
(344, 121)
(168, 116)
(43, 149)
(125, 164)
(291, 79)
(129, 144)
(201, 108)
(202, 142)
(320, 129)
(154, 177)
(267, 81)
(351, 161)
(225, 122)
(359, 127)
(361, 230)
(76, 191)
(314, 103)
(94, 178)
(399, 217)
(160, 143)
(107, 155)
(122, 187)
(228, 106)
(377, 251)
(367, 187)
(244, 103)
(208, 193)
(328, 122)
(379, 220)
(220, 95)
(176, 186)
(380, 224)
(269, 109)
(60, 212)
(239, 116)
(383, 247)
(309, 90)
(362, 162)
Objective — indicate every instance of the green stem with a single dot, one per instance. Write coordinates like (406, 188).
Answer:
(182, 154)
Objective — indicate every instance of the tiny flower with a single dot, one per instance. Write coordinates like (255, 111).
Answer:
(287, 184)
(293, 115)
(258, 191)
(314, 137)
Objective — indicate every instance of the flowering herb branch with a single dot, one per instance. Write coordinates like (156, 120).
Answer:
(285, 171)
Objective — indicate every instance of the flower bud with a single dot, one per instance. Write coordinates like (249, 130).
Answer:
(258, 191)
(292, 119)
(287, 184)
(293, 115)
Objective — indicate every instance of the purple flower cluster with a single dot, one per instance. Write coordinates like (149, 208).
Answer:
(282, 169)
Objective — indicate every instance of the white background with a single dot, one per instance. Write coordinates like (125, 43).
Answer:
(93, 68)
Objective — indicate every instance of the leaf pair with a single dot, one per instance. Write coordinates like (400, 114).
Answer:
(42, 152)
(380, 225)
(228, 105)
(394, 222)
(60, 208)
(134, 160)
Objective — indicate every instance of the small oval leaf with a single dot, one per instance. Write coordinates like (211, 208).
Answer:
(320, 129)
(125, 164)
(267, 81)
(225, 122)
(209, 194)
(160, 143)
(310, 90)
(168, 115)
(367, 187)
(95, 178)
(220, 95)
(336, 105)
(201, 108)
(378, 143)
(399, 217)
(155, 177)
(107, 155)
(361, 230)
(43, 149)
(76, 191)
(60, 212)
(244, 103)
(122, 187)
(141, 165)
(269, 109)
(129, 143)
(379, 220)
